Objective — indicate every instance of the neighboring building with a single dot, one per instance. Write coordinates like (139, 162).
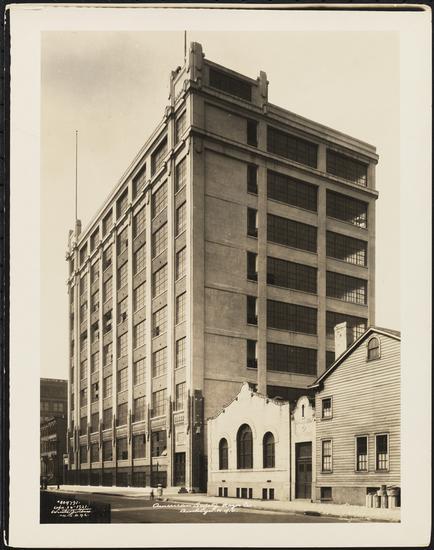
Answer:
(303, 448)
(358, 419)
(54, 398)
(53, 447)
(236, 240)
(248, 448)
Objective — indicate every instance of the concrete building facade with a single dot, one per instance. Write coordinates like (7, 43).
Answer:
(235, 241)
(53, 398)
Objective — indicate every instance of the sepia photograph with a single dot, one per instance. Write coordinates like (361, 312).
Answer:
(220, 275)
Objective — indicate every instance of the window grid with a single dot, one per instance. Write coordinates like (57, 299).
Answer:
(107, 257)
(291, 275)
(122, 203)
(159, 199)
(122, 448)
(108, 386)
(347, 249)
(291, 233)
(179, 396)
(107, 418)
(94, 452)
(159, 403)
(139, 182)
(230, 84)
(180, 264)
(382, 452)
(159, 280)
(347, 168)
(139, 222)
(344, 287)
(139, 372)
(356, 325)
(139, 446)
(362, 454)
(223, 454)
(181, 218)
(108, 290)
(139, 409)
(373, 349)
(244, 448)
(139, 334)
(123, 310)
(159, 321)
(94, 272)
(94, 392)
(180, 308)
(252, 314)
(180, 175)
(326, 408)
(94, 301)
(291, 191)
(326, 455)
(181, 353)
(123, 275)
(94, 422)
(139, 259)
(122, 380)
(139, 297)
(107, 354)
(107, 450)
(123, 345)
(159, 362)
(122, 415)
(159, 240)
(294, 359)
(291, 317)
(107, 222)
(291, 147)
(158, 155)
(347, 209)
(180, 126)
(122, 241)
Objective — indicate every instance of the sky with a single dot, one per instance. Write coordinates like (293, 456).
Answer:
(113, 87)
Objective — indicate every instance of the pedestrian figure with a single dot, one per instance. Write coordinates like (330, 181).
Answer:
(159, 491)
(151, 494)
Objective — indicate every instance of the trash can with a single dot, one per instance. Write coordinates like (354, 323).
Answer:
(159, 490)
(382, 493)
(392, 494)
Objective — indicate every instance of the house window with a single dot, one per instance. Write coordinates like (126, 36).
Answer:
(347, 209)
(362, 454)
(122, 203)
(291, 233)
(181, 357)
(268, 450)
(123, 345)
(252, 361)
(179, 396)
(159, 403)
(252, 179)
(294, 359)
(291, 191)
(158, 155)
(180, 126)
(252, 133)
(107, 386)
(382, 452)
(373, 349)
(291, 275)
(326, 455)
(347, 249)
(344, 287)
(107, 450)
(122, 448)
(326, 493)
(107, 419)
(159, 280)
(139, 334)
(123, 310)
(139, 372)
(180, 263)
(252, 270)
(139, 297)
(347, 168)
(139, 259)
(159, 321)
(244, 448)
(291, 147)
(158, 442)
(326, 408)
(122, 415)
(139, 409)
(180, 308)
(139, 182)
(223, 454)
(122, 380)
(139, 446)
(252, 222)
(159, 240)
(159, 362)
(180, 175)
(291, 317)
(252, 315)
(180, 218)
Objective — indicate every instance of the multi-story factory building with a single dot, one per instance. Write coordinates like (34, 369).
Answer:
(237, 239)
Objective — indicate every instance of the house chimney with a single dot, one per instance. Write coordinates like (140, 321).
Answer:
(342, 339)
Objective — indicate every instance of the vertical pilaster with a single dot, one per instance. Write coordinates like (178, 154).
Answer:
(371, 262)
(148, 318)
(130, 316)
(262, 279)
(322, 265)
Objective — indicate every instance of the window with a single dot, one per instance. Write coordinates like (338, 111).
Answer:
(159, 280)
(139, 259)
(181, 358)
(83, 397)
(159, 321)
(94, 272)
(83, 453)
(326, 456)
(122, 380)
(123, 310)
(230, 84)
(83, 342)
(83, 312)
(326, 493)
(252, 361)
(159, 199)
(180, 308)
(122, 275)
(158, 442)
(252, 133)
(139, 182)
(326, 407)
(373, 349)
(122, 203)
(139, 372)
(83, 425)
(108, 290)
(294, 359)
(107, 222)
(362, 454)
(252, 314)
(94, 452)
(83, 254)
(123, 345)
(107, 418)
(159, 240)
(244, 448)
(382, 452)
(356, 325)
(122, 240)
(122, 448)
(94, 422)
(95, 332)
(107, 450)
(252, 179)
(291, 317)
(347, 209)
(122, 415)
(181, 218)
(180, 263)
(180, 175)
(252, 222)
(330, 359)
(159, 403)
(291, 275)
(139, 409)
(347, 168)
(180, 126)
(159, 362)
(291, 233)
(107, 352)
(139, 334)
(139, 446)
(83, 369)
(223, 454)
(268, 450)
(139, 222)
(107, 321)
(291, 147)
(179, 396)
(291, 191)
(344, 287)
(252, 270)
(107, 386)
(158, 155)
(94, 302)
(347, 249)
(83, 284)
(107, 257)
(94, 392)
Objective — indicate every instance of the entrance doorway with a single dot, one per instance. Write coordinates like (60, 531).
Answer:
(303, 470)
(179, 473)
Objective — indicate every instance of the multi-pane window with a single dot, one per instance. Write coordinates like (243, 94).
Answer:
(94, 392)
(244, 447)
(139, 259)
(252, 179)
(107, 222)
(139, 181)
(83, 253)
(373, 349)
(94, 452)
(83, 425)
(252, 132)
(107, 450)
(83, 284)
(180, 304)
(83, 397)
(230, 84)
(108, 289)
(139, 372)
(83, 369)
(291, 233)
(326, 407)
(122, 448)
(159, 321)
(107, 257)
(138, 409)
(291, 275)
(347, 168)
(362, 453)
(122, 203)
(139, 222)
(107, 352)
(326, 455)
(158, 155)
(159, 281)
(291, 147)
(291, 317)
(107, 321)
(252, 222)
(159, 240)
(291, 191)
(181, 353)
(179, 396)
(94, 272)
(252, 314)
(294, 359)
(123, 275)
(382, 452)
(123, 345)
(139, 446)
(94, 422)
(181, 218)
(94, 332)
(180, 175)
(83, 342)
(268, 450)
(94, 301)
(122, 240)
(139, 297)
(107, 418)
(344, 287)
(107, 386)
(252, 360)
(356, 326)
(348, 249)
(122, 380)
(159, 199)
(330, 358)
(159, 362)
(83, 311)
(139, 334)
(122, 416)
(180, 126)
(94, 240)
(223, 454)
(158, 442)
(180, 263)
(347, 209)
(252, 269)
(83, 453)
(123, 310)
(159, 402)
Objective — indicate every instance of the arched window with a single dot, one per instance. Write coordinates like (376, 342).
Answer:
(373, 349)
(244, 447)
(223, 454)
(268, 450)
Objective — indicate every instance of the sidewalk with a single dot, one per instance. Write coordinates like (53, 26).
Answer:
(297, 506)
